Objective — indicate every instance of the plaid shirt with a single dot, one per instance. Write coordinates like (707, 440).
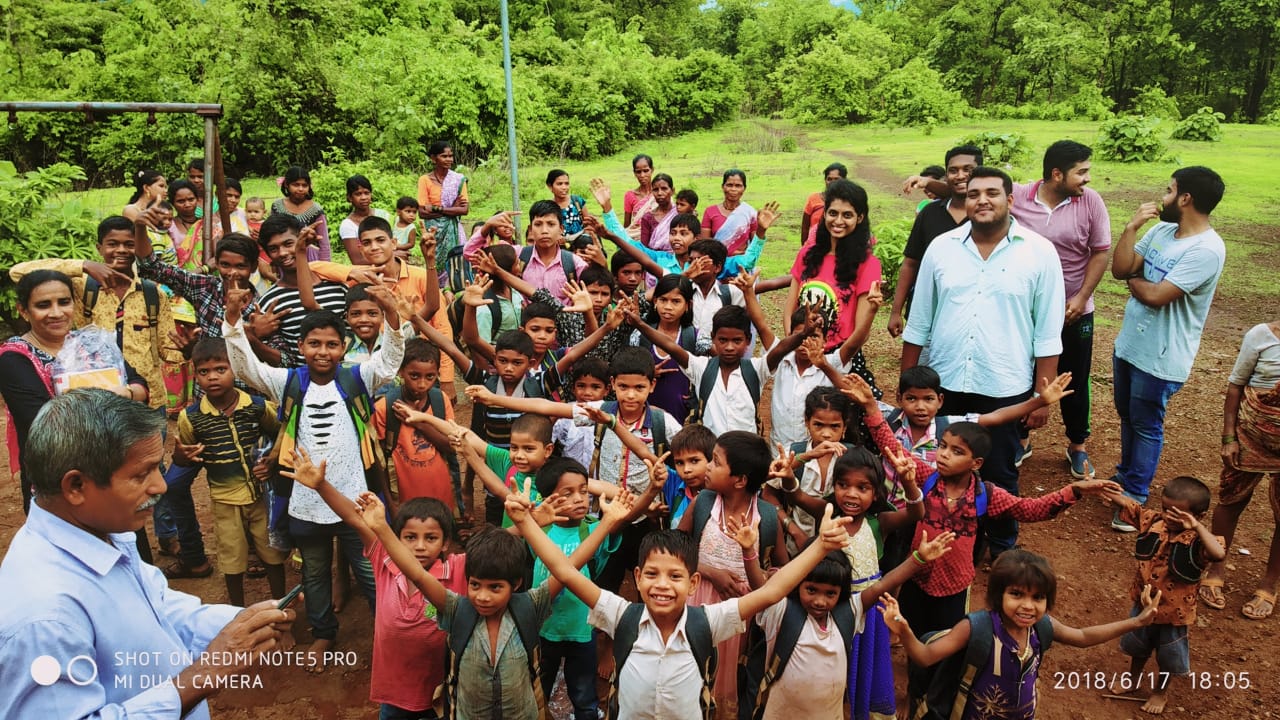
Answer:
(204, 292)
(954, 571)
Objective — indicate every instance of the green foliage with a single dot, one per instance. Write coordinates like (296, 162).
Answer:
(914, 95)
(1130, 138)
(1202, 126)
(36, 223)
(1153, 102)
(999, 148)
(891, 241)
(834, 81)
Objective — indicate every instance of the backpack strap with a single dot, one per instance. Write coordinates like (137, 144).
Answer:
(702, 505)
(981, 496)
(568, 265)
(495, 315)
(611, 407)
(624, 639)
(726, 297)
(768, 531)
(1044, 631)
(688, 338)
(711, 375)
(89, 300)
(391, 433)
(697, 630)
(798, 447)
(658, 429)
(793, 620)
(976, 653)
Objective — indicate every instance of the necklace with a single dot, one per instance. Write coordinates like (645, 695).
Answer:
(235, 400)
(31, 338)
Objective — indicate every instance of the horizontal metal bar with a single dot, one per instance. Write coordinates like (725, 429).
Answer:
(201, 109)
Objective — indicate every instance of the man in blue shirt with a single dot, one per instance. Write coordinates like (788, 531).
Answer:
(1172, 273)
(87, 629)
(989, 303)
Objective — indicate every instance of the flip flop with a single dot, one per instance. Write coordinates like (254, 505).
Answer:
(1211, 593)
(1260, 606)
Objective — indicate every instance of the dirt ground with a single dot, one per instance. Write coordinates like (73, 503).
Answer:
(1094, 564)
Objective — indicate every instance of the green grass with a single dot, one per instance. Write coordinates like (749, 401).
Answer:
(879, 157)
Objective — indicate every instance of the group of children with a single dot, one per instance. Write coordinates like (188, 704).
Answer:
(615, 430)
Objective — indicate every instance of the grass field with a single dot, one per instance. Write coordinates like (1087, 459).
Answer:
(784, 162)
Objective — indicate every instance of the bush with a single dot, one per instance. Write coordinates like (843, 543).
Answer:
(1130, 138)
(914, 95)
(891, 241)
(1271, 118)
(1203, 126)
(999, 148)
(35, 224)
(329, 182)
(1152, 102)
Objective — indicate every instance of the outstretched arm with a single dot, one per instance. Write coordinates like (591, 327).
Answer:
(832, 536)
(928, 551)
(309, 475)
(473, 297)
(537, 406)
(669, 346)
(920, 653)
(1052, 393)
(1097, 634)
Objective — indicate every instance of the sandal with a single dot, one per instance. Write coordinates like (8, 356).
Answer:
(255, 569)
(1211, 593)
(1260, 605)
(180, 570)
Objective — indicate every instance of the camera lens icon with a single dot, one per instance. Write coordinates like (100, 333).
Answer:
(81, 670)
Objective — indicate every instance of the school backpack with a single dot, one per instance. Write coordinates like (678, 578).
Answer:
(435, 399)
(480, 414)
(457, 313)
(687, 340)
(758, 670)
(940, 692)
(465, 619)
(768, 530)
(940, 422)
(150, 298)
(711, 376)
(566, 261)
(654, 419)
(697, 630)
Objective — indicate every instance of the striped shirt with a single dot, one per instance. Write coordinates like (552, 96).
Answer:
(229, 443)
(330, 296)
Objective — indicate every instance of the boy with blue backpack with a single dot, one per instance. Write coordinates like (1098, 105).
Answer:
(326, 407)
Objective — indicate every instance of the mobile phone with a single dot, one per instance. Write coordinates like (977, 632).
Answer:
(289, 597)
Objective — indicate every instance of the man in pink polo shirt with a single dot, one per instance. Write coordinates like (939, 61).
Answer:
(1074, 218)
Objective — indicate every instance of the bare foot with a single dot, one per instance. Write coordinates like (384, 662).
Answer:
(1155, 703)
(315, 656)
(1122, 684)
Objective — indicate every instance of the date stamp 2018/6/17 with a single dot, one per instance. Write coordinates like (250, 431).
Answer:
(1121, 681)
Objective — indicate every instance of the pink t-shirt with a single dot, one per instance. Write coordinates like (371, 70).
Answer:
(1078, 228)
(551, 277)
(839, 305)
(408, 645)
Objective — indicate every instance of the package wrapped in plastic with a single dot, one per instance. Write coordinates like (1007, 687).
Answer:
(89, 359)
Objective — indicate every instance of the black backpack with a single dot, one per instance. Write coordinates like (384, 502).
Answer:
(697, 631)
(758, 670)
(457, 313)
(707, 382)
(150, 298)
(465, 619)
(567, 264)
(941, 691)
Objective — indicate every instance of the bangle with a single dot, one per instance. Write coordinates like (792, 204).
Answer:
(794, 488)
(753, 556)
(1228, 439)
(613, 421)
(918, 500)
(915, 555)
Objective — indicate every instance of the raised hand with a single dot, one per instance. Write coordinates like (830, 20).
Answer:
(382, 295)
(698, 267)
(406, 306)
(833, 531)
(767, 215)
(933, 549)
(742, 530)
(814, 349)
(893, 614)
(304, 471)
(483, 262)
(186, 455)
(616, 511)
(603, 195)
(1150, 603)
(614, 318)
(595, 414)
(474, 294)
(266, 322)
(581, 299)
(745, 281)
(1054, 391)
(591, 253)
(153, 215)
(903, 464)
(479, 394)
(428, 244)
(237, 298)
(857, 389)
(780, 468)
(372, 511)
(658, 471)
(550, 510)
(812, 319)
(184, 338)
(874, 296)
(371, 276)
(518, 503)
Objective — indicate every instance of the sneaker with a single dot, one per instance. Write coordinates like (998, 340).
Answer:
(1081, 468)
(1024, 452)
(1119, 525)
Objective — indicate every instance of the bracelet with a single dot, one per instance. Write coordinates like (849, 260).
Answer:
(1228, 439)
(917, 501)
(915, 555)
(783, 485)
(613, 421)
(753, 556)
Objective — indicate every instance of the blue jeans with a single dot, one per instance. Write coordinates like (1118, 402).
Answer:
(391, 712)
(579, 673)
(315, 543)
(179, 516)
(1140, 402)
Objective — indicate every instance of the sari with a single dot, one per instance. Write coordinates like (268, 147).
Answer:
(449, 231)
(735, 233)
(639, 207)
(660, 237)
(43, 368)
(1258, 430)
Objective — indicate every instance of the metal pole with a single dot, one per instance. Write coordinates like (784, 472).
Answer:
(113, 107)
(206, 239)
(511, 116)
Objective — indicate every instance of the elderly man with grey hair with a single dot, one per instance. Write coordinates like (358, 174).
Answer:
(86, 628)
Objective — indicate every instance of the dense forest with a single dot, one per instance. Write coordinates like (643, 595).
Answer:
(310, 81)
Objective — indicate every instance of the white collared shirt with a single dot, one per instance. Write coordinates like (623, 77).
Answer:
(661, 679)
(705, 306)
(729, 406)
(986, 321)
(790, 388)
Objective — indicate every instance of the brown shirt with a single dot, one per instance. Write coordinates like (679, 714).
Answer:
(1177, 597)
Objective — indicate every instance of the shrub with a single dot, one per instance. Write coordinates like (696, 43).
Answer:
(36, 223)
(1152, 102)
(914, 95)
(1203, 126)
(329, 182)
(999, 148)
(891, 241)
(1130, 138)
